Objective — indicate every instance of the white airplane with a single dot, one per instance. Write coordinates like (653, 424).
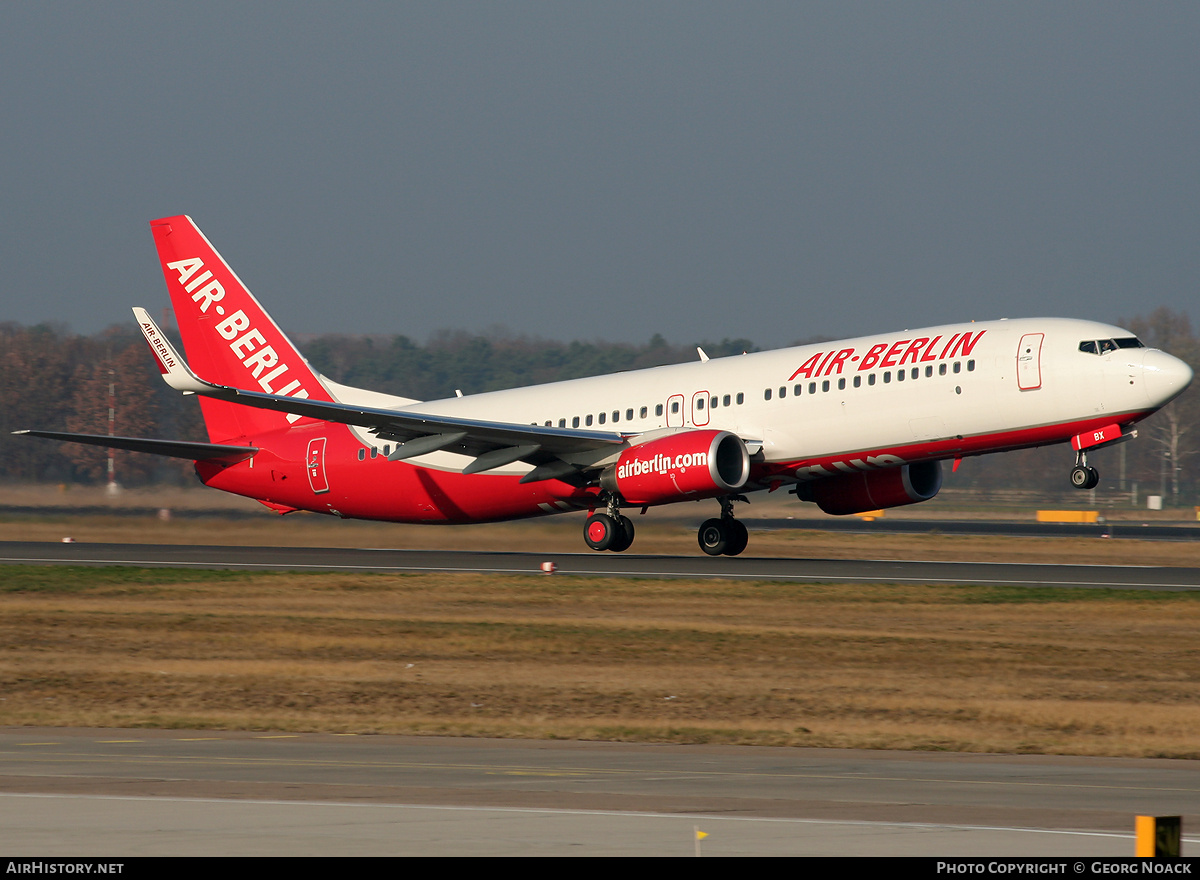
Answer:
(854, 425)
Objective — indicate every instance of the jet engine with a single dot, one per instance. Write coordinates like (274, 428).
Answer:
(875, 490)
(691, 464)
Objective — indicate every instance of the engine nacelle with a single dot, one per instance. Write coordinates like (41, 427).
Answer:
(690, 464)
(875, 490)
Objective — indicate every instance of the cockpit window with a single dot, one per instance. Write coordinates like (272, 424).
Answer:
(1103, 346)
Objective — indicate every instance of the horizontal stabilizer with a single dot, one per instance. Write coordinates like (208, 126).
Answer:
(171, 448)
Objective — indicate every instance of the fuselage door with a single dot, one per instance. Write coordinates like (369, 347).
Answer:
(314, 463)
(700, 409)
(1029, 362)
(675, 405)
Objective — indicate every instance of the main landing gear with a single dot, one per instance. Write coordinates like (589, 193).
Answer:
(725, 536)
(1082, 476)
(717, 537)
(608, 531)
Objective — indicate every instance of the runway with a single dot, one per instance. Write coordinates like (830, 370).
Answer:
(133, 792)
(605, 565)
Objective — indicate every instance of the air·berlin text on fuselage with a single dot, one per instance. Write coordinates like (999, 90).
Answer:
(895, 354)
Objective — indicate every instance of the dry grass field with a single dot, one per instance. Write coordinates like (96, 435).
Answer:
(917, 667)
(1095, 672)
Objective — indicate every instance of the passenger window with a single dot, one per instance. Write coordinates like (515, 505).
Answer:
(970, 366)
(928, 371)
(887, 377)
(741, 398)
(643, 412)
(575, 422)
(916, 372)
(796, 391)
(842, 384)
(941, 369)
(562, 423)
(767, 394)
(871, 379)
(362, 454)
(658, 410)
(858, 381)
(588, 421)
(825, 385)
(782, 392)
(899, 375)
(957, 367)
(812, 387)
(603, 418)
(629, 414)
(374, 452)
(616, 416)
(725, 400)
(699, 403)
(713, 403)
(674, 407)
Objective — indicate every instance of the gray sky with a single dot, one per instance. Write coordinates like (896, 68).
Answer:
(607, 170)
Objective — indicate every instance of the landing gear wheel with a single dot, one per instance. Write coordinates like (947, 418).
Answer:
(738, 538)
(600, 531)
(624, 535)
(713, 537)
(1083, 477)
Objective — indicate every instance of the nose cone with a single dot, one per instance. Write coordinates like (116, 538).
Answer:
(1166, 376)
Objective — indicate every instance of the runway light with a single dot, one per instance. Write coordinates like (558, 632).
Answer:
(68, 540)
(549, 567)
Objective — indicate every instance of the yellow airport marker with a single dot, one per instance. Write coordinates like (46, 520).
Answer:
(1158, 836)
(1068, 516)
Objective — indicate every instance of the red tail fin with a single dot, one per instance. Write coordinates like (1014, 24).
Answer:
(228, 337)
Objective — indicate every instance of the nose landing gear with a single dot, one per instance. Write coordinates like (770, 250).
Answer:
(1082, 476)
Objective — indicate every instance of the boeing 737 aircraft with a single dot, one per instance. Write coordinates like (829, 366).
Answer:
(854, 425)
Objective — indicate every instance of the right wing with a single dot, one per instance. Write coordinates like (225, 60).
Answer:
(555, 453)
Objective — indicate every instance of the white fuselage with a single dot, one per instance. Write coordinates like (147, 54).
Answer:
(949, 388)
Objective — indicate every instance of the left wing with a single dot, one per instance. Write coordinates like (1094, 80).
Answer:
(555, 453)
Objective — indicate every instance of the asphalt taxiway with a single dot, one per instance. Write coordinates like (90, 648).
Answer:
(135, 792)
(604, 565)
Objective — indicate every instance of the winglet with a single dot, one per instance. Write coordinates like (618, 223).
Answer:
(174, 369)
